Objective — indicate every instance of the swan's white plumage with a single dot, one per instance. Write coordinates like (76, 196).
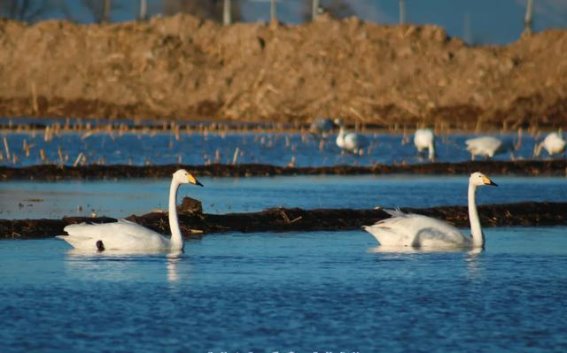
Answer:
(119, 235)
(485, 146)
(418, 231)
(425, 139)
(412, 230)
(124, 235)
(553, 144)
(350, 141)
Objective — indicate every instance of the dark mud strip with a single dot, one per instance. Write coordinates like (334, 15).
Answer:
(53, 172)
(295, 219)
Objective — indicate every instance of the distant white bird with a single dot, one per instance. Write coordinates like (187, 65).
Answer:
(417, 231)
(322, 127)
(488, 146)
(425, 139)
(129, 236)
(350, 141)
(553, 144)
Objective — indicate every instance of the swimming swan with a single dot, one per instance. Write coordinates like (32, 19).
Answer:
(124, 235)
(425, 139)
(417, 231)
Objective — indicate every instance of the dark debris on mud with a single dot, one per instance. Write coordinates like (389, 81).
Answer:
(94, 172)
(296, 219)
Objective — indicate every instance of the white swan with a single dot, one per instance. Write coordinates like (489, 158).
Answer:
(425, 139)
(350, 141)
(124, 235)
(417, 231)
(487, 146)
(553, 144)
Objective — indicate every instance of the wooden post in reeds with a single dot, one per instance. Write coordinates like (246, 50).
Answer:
(529, 18)
(143, 15)
(315, 9)
(226, 14)
(402, 11)
(106, 11)
(273, 13)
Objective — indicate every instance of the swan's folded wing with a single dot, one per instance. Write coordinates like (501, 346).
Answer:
(408, 229)
(121, 234)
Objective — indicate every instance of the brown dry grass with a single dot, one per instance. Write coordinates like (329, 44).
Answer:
(187, 68)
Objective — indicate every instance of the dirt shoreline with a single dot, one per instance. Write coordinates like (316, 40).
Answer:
(101, 172)
(187, 68)
(295, 219)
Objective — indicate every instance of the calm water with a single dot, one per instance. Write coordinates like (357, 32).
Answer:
(266, 148)
(220, 195)
(300, 292)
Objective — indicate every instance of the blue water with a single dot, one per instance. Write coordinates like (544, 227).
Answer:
(295, 292)
(121, 198)
(203, 148)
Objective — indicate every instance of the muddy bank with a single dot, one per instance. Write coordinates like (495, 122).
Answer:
(101, 172)
(187, 68)
(295, 219)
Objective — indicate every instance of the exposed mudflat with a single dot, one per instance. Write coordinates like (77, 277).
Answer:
(295, 219)
(183, 67)
(54, 172)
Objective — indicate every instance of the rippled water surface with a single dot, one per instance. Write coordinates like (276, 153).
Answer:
(221, 195)
(283, 292)
(300, 292)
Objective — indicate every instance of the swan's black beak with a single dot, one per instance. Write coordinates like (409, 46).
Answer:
(487, 181)
(197, 182)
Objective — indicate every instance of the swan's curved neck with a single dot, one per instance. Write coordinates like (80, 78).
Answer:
(538, 148)
(476, 230)
(431, 151)
(176, 242)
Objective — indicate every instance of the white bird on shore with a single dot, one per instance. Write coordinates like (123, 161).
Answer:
(553, 144)
(425, 139)
(417, 231)
(350, 141)
(124, 235)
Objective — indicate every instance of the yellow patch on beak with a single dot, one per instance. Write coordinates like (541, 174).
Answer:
(191, 179)
(486, 181)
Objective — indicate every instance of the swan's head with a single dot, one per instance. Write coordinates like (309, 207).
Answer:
(184, 177)
(479, 179)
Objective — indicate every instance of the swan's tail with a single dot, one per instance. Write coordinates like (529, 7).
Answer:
(383, 233)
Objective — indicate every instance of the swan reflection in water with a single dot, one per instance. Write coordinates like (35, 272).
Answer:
(172, 262)
(471, 259)
(411, 250)
(124, 265)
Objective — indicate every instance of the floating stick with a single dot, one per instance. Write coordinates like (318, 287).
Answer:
(7, 148)
(61, 159)
(79, 159)
(235, 156)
